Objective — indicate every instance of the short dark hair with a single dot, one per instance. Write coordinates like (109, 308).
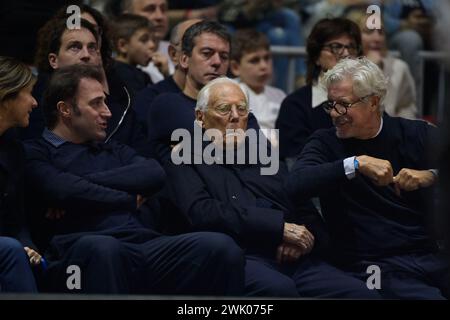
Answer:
(247, 41)
(63, 86)
(323, 31)
(125, 25)
(206, 26)
(103, 30)
(49, 40)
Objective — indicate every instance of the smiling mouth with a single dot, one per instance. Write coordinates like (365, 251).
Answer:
(343, 120)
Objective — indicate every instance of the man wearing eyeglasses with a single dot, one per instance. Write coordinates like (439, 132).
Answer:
(374, 177)
(205, 57)
(281, 241)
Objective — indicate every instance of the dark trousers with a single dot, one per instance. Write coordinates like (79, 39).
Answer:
(309, 277)
(201, 263)
(409, 276)
(15, 271)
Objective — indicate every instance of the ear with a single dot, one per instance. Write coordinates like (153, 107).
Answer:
(122, 47)
(199, 117)
(53, 60)
(375, 102)
(173, 54)
(64, 110)
(235, 68)
(184, 61)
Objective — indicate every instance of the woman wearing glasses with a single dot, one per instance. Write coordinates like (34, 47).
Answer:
(329, 41)
(16, 103)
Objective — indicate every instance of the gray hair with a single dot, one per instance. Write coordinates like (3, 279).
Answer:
(368, 79)
(204, 94)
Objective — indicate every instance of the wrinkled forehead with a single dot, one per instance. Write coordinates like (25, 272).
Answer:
(211, 40)
(82, 35)
(227, 93)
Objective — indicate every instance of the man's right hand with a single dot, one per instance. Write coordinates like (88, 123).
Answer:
(140, 200)
(299, 236)
(378, 170)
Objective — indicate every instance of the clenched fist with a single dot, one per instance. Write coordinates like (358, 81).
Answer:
(378, 170)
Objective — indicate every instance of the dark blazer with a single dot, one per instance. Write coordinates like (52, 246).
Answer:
(12, 164)
(237, 200)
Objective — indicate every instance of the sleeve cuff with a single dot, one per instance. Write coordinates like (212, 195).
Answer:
(349, 167)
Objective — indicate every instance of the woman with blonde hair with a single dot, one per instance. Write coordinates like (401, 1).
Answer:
(16, 253)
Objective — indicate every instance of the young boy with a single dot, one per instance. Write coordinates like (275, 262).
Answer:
(251, 61)
(134, 45)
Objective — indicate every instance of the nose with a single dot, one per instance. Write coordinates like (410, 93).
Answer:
(33, 102)
(151, 45)
(158, 14)
(216, 60)
(106, 113)
(234, 115)
(345, 53)
(85, 55)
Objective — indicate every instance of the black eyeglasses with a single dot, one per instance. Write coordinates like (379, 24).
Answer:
(338, 48)
(340, 107)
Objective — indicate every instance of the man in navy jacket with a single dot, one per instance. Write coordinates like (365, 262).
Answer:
(236, 199)
(372, 174)
(88, 198)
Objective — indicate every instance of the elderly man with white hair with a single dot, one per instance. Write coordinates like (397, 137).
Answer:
(281, 241)
(374, 178)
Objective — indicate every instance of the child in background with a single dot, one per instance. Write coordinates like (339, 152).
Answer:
(251, 61)
(134, 45)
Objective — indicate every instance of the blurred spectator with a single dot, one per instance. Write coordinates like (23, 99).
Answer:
(134, 45)
(400, 100)
(156, 12)
(281, 25)
(251, 61)
(408, 24)
(330, 41)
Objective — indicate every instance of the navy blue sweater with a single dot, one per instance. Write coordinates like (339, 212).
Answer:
(129, 130)
(96, 184)
(297, 120)
(144, 98)
(171, 111)
(366, 220)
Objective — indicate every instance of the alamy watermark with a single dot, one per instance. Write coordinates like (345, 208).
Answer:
(256, 148)
(374, 280)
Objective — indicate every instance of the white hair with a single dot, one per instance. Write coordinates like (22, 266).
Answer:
(367, 77)
(204, 94)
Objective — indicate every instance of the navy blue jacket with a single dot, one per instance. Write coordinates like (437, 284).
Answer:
(171, 111)
(127, 130)
(96, 184)
(240, 202)
(366, 220)
(145, 97)
(297, 120)
(12, 215)
(134, 78)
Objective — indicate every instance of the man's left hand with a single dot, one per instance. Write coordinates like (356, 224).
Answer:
(410, 179)
(35, 258)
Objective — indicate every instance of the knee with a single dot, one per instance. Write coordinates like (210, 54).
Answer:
(100, 247)
(280, 287)
(224, 248)
(11, 247)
